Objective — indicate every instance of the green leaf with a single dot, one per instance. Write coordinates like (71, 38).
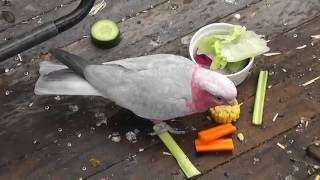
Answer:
(205, 45)
(233, 67)
(248, 45)
(231, 36)
(219, 61)
(234, 46)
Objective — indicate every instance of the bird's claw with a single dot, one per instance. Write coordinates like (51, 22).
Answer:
(165, 127)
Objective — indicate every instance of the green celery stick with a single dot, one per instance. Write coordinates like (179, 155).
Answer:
(259, 99)
(183, 161)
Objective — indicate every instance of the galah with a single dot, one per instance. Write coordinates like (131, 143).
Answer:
(156, 87)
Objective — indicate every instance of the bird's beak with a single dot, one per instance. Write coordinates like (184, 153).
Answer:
(233, 102)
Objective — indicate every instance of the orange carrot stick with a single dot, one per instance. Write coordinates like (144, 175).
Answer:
(216, 132)
(216, 145)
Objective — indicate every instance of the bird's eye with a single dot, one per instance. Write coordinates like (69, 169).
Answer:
(219, 98)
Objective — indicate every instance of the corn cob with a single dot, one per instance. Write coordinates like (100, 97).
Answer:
(225, 114)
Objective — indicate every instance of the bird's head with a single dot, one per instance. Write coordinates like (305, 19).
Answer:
(215, 88)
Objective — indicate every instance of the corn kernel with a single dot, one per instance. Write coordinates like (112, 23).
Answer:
(225, 114)
(240, 136)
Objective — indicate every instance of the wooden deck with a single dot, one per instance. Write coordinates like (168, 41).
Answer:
(40, 135)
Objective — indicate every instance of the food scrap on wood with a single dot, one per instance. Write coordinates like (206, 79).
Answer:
(98, 7)
(301, 47)
(275, 117)
(311, 81)
(94, 162)
(272, 54)
(240, 136)
(115, 137)
(102, 119)
(281, 146)
(131, 136)
(315, 36)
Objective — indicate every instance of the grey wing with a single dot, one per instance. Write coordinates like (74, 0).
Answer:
(153, 87)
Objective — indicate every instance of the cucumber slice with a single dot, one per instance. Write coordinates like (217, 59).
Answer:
(105, 33)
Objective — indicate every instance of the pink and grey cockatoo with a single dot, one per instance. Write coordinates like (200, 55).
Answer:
(156, 87)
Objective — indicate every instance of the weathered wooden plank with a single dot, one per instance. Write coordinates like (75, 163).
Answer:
(167, 168)
(27, 9)
(58, 160)
(283, 98)
(163, 24)
(156, 33)
(16, 107)
(149, 23)
(259, 12)
(115, 10)
(94, 143)
(270, 161)
(33, 71)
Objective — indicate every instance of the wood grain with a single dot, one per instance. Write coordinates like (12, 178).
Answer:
(27, 9)
(269, 161)
(21, 124)
(285, 98)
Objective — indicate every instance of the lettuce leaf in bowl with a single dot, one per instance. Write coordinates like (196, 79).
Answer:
(249, 44)
(234, 67)
(236, 45)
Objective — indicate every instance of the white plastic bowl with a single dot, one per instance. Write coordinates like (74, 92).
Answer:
(219, 28)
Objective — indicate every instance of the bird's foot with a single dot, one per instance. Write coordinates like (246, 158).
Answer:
(165, 127)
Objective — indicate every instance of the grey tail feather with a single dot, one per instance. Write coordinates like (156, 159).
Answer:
(58, 80)
(47, 67)
(74, 62)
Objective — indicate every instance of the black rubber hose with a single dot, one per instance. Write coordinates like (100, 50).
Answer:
(75, 16)
(44, 32)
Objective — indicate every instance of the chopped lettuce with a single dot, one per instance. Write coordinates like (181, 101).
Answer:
(205, 45)
(237, 45)
(219, 60)
(233, 67)
(249, 44)
(231, 36)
